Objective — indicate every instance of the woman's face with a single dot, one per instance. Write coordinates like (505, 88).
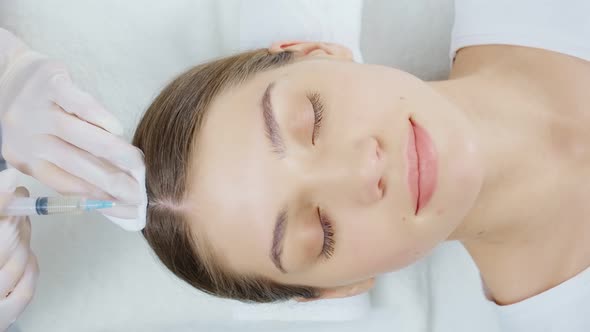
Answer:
(280, 193)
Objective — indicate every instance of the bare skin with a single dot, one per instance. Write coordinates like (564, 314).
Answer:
(510, 133)
(538, 233)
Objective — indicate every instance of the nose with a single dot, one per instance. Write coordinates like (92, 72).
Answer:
(352, 173)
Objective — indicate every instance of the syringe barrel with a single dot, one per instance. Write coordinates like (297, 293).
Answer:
(27, 206)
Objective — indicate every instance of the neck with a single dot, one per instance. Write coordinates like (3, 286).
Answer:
(521, 232)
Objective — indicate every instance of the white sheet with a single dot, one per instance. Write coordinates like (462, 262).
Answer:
(96, 277)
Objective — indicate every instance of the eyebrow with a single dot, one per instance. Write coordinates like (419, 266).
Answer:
(273, 133)
(271, 125)
(278, 235)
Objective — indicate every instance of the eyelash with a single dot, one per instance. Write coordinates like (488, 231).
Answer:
(318, 113)
(328, 247)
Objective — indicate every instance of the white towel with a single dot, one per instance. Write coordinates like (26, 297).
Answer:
(338, 21)
(351, 308)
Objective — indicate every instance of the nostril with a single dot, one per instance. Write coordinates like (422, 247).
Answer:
(381, 186)
(378, 151)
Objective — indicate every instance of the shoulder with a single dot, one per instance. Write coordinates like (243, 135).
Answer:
(556, 76)
(563, 308)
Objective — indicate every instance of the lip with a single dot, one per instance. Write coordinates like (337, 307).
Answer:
(422, 168)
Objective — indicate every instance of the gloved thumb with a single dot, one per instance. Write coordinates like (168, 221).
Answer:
(8, 189)
(8, 180)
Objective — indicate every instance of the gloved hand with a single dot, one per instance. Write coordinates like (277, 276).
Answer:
(18, 265)
(62, 136)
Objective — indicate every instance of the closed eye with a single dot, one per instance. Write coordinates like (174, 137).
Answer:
(328, 245)
(318, 113)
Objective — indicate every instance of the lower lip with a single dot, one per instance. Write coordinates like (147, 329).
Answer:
(422, 165)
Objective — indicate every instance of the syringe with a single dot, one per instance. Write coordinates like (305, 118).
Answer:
(31, 206)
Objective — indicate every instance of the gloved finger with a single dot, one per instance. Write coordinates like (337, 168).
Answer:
(75, 101)
(8, 180)
(23, 223)
(66, 183)
(97, 142)
(6, 198)
(9, 238)
(87, 167)
(13, 269)
(19, 298)
(8, 190)
(24, 226)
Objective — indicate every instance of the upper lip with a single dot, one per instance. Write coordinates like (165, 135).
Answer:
(426, 166)
(416, 165)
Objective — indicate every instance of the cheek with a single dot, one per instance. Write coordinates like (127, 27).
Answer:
(359, 110)
(379, 243)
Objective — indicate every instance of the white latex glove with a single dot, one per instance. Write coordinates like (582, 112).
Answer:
(18, 265)
(62, 136)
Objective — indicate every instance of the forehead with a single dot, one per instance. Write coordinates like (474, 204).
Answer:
(231, 186)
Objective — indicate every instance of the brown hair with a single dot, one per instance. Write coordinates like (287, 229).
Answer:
(166, 134)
